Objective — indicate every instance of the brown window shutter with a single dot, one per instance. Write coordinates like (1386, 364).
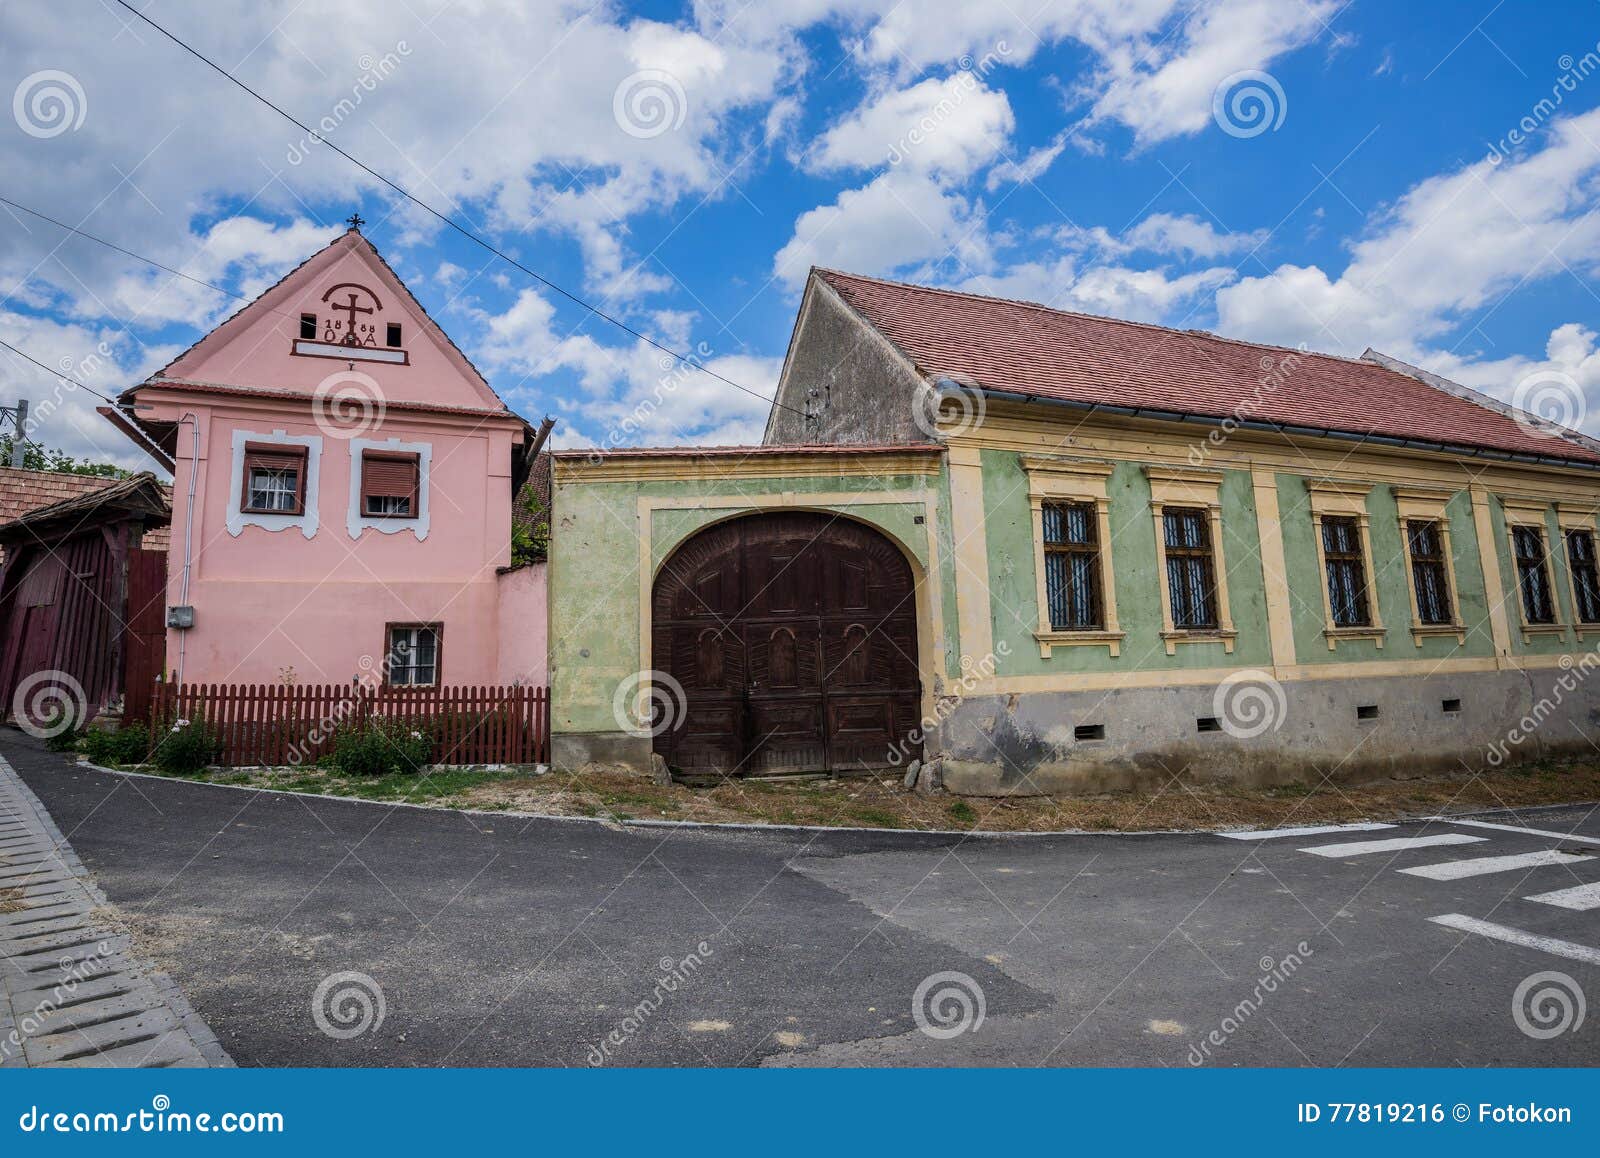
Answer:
(389, 476)
(275, 456)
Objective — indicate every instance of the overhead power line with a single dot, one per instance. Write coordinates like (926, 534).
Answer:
(469, 234)
(54, 373)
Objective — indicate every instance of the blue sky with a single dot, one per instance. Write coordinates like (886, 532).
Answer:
(1070, 152)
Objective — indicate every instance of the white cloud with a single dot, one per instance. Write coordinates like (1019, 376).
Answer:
(900, 219)
(1147, 295)
(1452, 244)
(951, 126)
(1186, 234)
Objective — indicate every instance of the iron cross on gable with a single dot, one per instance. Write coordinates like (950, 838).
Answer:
(352, 309)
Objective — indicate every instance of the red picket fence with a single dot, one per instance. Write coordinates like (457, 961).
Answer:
(276, 724)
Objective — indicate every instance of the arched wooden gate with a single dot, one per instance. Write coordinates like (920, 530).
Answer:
(794, 637)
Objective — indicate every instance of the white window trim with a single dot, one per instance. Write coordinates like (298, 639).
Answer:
(306, 521)
(357, 520)
(1061, 480)
(1427, 505)
(1345, 500)
(1531, 511)
(1181, 487)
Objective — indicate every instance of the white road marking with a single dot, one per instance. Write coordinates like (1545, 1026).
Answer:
(1313, 830)
(1567, 949)
(1581, 839)
(1396, 844)
(1454, 870)
(1579, 898)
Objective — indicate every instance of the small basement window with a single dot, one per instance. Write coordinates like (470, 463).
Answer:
(1089, 732)
(1367, 712)
(308, 326)
(411, 657)
(389, 485)
(1451, 706)
(392, 337)
(274, 480)
(1207, 724)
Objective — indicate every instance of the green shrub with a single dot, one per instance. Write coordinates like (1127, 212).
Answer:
(380, 747)
(186, 747)
(64, 741)
(129, 745)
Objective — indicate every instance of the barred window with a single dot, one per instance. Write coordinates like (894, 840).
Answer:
(1585, 577)
(1347, 573)
(1072, 566)
(1191, 568)
(1533, 577)
(1428, 574)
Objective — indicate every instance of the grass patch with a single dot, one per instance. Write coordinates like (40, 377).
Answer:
(883, 802)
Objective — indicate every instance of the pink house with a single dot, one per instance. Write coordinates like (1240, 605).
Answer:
(343, 491)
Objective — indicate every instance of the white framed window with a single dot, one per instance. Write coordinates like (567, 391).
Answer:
(389, 487)
(273, 482)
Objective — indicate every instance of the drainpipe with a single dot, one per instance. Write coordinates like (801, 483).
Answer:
(188, 535)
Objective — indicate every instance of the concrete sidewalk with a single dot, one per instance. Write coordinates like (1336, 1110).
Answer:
(70, 993)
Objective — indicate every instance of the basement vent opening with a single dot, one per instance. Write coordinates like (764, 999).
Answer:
(1089, 732)
(1452, 706)
(1367, 712)
(1207, 724)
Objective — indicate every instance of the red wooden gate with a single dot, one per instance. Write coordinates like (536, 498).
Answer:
(146, 643)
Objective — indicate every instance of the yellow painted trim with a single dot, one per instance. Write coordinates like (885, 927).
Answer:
(1528, 512)
(1190, 487)
(1070, 480)
(1192, 677)
(1274, 567)
(1493, 583)
(1429, 507)
(974, 608)
(687, 467)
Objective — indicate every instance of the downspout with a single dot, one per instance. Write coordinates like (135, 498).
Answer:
(188, 534)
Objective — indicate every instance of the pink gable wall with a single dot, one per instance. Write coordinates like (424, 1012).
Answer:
(271, 599)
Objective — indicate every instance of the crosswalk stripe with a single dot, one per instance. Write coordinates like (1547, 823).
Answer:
(1579, 837)
(1567, 949)
(1579, 898)
(1454, 870)
(1395, 844)
(1312, 830)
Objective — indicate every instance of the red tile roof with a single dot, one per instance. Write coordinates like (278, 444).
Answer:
(22, 491)
(1028, 349)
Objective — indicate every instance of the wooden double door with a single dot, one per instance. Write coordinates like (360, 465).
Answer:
(794, 639)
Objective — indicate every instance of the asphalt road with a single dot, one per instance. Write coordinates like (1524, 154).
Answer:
(500, 940)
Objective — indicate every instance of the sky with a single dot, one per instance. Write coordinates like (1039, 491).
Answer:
(1418, 178)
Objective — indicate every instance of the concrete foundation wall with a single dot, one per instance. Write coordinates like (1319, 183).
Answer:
(1024, 744)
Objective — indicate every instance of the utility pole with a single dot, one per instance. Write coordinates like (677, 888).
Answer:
(18, 441)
